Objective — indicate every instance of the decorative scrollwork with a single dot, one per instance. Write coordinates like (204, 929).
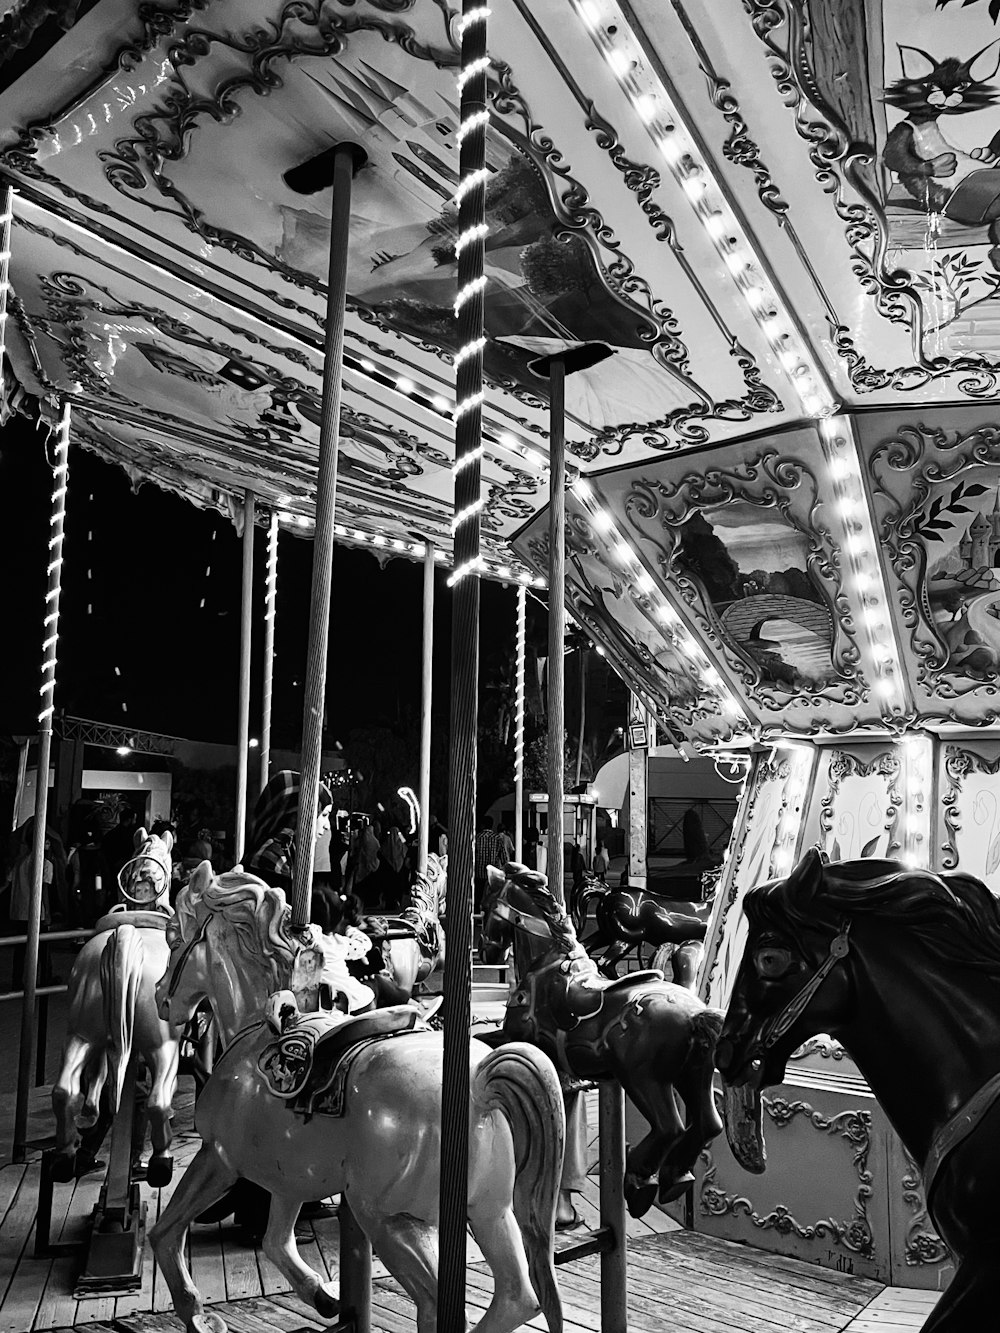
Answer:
(922, 1244)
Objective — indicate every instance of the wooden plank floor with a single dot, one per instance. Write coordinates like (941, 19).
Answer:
(678, 1281)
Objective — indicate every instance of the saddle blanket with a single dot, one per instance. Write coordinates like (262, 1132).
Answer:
(307, 1066)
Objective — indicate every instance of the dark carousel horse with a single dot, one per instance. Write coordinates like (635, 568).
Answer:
(655, 1038)
(903, 968)
(628, 918)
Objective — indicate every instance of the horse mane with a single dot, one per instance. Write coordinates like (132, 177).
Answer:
(257, 913)
(955, 916)
(535, 886)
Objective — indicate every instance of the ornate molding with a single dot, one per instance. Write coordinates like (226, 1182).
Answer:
(922, 1245)
(657, 509)
(958, 764)
(853, 1234)
(844, 765)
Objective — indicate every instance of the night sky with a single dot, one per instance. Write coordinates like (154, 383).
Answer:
(151, 638)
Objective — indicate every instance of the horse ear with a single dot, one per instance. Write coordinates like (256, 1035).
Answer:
(495, 878)
(806, 875)
(167, 838)
(139, 837)
(201, 877)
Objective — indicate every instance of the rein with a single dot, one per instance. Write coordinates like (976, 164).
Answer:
(775, 1028)
(531, 925)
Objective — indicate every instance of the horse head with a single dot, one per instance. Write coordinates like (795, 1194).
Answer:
(144, 881)
(230, 944)
(518, 900)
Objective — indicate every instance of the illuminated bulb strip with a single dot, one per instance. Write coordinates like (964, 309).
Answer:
(270, 611)
(665, 124)
(864, 567)
(470, 299)
(6, 219)
(786, 836)
(57, 523)
(522, 599)
(917, 766)
(415, 550)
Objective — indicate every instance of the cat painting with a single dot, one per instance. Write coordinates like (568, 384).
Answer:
(963, 186)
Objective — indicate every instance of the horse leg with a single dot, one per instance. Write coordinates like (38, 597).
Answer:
(686, 961)
(159, 1109)
(703, 1125)
(499, 1237)
(972, 1296)
(205, 1181)
(281, 1249)
(409, 1249)
(67, 1099)
(608, 966)
(645, 1163)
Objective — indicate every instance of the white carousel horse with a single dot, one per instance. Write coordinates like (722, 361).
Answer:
(379, 1147)
(112, 1010)
(413, 960)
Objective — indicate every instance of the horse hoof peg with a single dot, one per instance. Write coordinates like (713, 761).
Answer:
(326, 1303)
(207, 1323)
(63, 1169)
(159, 1171)
(639, 1197)
(673, 1189)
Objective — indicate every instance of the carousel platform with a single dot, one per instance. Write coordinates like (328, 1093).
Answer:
(678, 1280)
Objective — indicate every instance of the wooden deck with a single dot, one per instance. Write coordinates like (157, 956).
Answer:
(679, 1282)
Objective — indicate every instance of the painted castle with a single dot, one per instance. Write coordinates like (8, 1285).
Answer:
(980, 547)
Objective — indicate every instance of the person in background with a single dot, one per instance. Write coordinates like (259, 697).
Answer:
(20, 881)
(118, 848)
(505, 844)
(435, 834)
(531, 848)
(489, 851)
(578, 864)
(601, 862)
(271, 845)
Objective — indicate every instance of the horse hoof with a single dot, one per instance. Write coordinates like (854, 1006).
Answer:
(326, 1304)
(63, 1168)
(639, 1197)
(159, 1170)
(207, 1323)
(673, 1189)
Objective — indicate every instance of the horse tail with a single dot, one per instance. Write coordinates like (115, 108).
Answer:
(579, 899)
(521, 1081)
(706, 1029)
(121, 976)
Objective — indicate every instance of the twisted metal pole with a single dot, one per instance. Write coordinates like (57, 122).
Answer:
(270, 606)
(57, 521)
(556, 707)
(522, 597)
(243, 710)
(470, 309)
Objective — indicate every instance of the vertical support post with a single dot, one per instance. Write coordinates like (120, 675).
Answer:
(614, 1273)
(57, 520)
(426, 702)
(470, 308)
(243, 711)
(637, 816)
(270, 604)
(22, 775)
(6, 221)
(355, 1270)
(345, 156)
(557, 624)
(522, 595)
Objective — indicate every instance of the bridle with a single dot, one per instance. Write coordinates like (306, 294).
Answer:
(777, 1026)
(143, 856)
(531, 925)
(178, 968)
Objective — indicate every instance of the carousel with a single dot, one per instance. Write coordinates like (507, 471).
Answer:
(681, 317)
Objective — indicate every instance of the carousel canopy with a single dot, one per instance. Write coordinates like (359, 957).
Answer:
(783, 216)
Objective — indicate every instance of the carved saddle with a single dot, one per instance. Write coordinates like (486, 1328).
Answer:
(142, 919)
(307, 1066)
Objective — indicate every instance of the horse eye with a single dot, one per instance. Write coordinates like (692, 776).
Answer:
(772, 962)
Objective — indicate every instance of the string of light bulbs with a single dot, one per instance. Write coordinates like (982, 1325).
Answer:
(57, 523)
(6, 222)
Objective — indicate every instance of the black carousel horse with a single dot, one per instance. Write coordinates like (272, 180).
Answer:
(655, 1038)
(628, 918)
(903, 968)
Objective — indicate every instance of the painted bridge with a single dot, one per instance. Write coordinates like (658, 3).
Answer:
(744, 619)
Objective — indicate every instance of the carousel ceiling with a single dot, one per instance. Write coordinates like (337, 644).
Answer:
(782, 215)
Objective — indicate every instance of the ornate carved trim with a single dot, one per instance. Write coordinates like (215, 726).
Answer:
(958, 764)
(844, 765)
(853, 1234)
(922, 1244)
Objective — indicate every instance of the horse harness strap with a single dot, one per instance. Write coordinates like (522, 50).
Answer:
(776, 1027)
(529, 924)
(951, 1135)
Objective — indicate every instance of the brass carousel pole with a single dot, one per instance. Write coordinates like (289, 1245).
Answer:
(57, 520)
(270, 601)
(470, 309)
(243, 712)
(337, 166)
